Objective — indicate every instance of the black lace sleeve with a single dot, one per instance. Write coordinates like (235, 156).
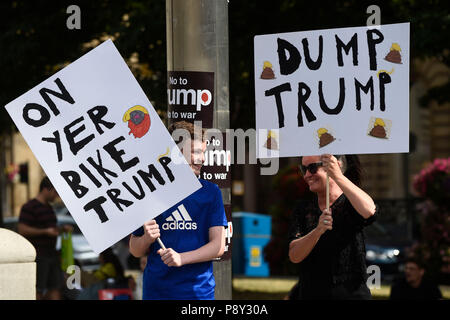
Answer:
(359, 221)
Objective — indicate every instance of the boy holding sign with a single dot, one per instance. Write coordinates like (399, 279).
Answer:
(193, 232)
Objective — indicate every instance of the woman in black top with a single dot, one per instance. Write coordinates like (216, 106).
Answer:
(329, 246)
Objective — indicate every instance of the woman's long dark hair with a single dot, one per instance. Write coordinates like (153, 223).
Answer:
(353, 171)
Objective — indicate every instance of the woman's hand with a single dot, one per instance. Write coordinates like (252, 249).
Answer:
(325, 222)
(170, 257)
(359, 199)
(331, 166)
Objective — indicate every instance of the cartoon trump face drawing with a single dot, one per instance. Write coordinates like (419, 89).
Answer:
(138, 120)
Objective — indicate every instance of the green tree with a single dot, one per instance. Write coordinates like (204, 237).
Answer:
(35, 42)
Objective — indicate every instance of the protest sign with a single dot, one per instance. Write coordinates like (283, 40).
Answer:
(190, 97)
(103, 146)
(217, 165)
(338, 91)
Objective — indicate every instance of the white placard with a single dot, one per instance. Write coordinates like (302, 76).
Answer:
(103, 146)
(338, 91)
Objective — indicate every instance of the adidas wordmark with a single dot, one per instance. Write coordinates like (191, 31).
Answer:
(179, 220)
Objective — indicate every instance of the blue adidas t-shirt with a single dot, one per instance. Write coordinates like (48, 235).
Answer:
(184, 227)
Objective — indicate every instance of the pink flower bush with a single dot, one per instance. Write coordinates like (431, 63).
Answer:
(433, 184)
(433, 181)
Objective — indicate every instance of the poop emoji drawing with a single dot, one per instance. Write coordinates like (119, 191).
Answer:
(379, 129)
(271, 142)
(325, 137)
(394, 54)
(138, 121)
(267, 73)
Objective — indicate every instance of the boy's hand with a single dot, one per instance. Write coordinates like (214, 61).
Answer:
(151, 230)
(170, 257)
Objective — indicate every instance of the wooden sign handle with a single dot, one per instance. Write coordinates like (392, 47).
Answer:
(328, 192)
(161, 243)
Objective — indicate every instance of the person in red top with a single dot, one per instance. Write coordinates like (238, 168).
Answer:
(38, 224)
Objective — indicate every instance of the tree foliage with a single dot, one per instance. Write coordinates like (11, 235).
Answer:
(35, 42)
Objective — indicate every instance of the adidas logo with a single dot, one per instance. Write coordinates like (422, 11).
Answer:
(179, 220)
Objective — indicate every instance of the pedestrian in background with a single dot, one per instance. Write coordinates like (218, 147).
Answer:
(137, 292)
(38, 224)
(414, 286)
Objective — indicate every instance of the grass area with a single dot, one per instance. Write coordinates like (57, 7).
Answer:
(277, 289)
(262, 288)
(269, 285)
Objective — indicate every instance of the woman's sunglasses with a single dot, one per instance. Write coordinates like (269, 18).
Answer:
(312, 167)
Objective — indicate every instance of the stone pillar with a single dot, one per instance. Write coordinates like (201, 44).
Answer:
(17, 267)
